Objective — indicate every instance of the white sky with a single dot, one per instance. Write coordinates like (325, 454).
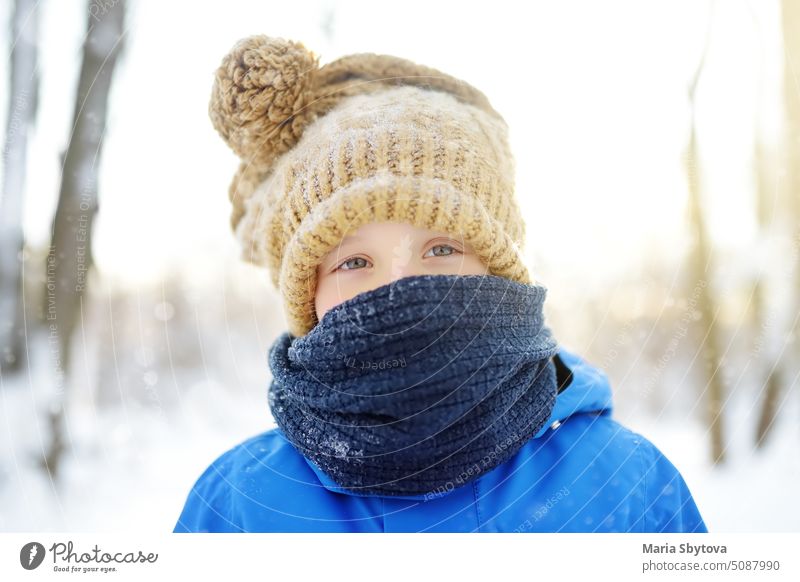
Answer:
(594, 94)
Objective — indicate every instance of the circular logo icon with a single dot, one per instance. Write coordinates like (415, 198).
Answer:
(31, 555)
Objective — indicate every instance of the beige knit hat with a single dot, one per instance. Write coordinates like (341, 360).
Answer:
(365, 138)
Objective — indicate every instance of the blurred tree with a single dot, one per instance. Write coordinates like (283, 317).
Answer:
(22, 105)
(762, 321)
(699, 263)
(762, 302)
(70, 257)
(790, 21)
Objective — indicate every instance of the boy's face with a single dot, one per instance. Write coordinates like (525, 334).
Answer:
(381, 252)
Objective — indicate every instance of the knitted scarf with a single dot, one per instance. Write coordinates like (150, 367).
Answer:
(417, 386)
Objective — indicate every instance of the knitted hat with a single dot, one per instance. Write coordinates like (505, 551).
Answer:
(365, 138)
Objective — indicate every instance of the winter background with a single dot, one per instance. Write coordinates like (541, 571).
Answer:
(168, 367)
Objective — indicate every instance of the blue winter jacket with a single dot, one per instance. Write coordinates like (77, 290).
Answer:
(583, 472)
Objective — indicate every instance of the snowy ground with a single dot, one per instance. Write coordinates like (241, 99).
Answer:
(127, 469)
(754, 491)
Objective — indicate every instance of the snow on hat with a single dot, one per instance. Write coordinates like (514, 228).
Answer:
(364, 138)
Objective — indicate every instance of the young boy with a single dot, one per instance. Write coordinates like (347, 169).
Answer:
(418, 388)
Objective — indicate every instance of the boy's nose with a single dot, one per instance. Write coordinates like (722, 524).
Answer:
(398, 271)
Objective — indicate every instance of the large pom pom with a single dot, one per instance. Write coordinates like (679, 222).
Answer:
(260, 97)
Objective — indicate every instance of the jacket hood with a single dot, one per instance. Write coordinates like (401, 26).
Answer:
(589, 391)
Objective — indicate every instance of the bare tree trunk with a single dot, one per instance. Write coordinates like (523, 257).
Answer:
(70, 258)
(700, 262)
(22, 104)
(764, 304)
(763, 317)
(790, 21)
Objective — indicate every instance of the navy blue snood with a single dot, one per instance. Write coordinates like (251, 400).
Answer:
(417, 386)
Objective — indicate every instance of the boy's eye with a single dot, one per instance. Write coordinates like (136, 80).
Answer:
(348, 265)
(441, 254)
